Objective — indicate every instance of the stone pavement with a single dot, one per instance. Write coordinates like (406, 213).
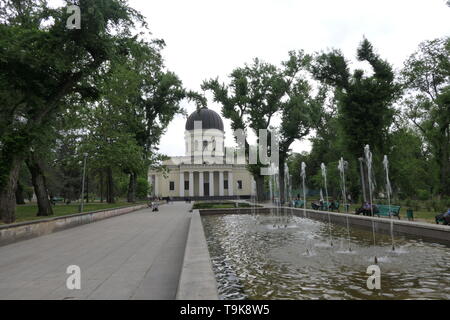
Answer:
(134, 256)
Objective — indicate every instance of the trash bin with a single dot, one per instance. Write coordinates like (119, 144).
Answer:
(410, 214)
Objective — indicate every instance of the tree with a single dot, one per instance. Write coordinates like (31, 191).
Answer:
(144, 98)
(261, 91)
(42, 63)
(250, 101)
(365, 103)
(299, 109)
(426, 76)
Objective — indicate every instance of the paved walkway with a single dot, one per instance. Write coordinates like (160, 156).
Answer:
(134, 256)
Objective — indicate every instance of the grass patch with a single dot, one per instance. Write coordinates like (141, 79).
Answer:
(26, 213)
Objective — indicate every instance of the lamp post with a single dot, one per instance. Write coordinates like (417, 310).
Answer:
(82, 186)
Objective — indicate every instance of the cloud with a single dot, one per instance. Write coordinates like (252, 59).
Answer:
(207, 38)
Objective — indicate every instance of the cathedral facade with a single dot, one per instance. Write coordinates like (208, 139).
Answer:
(206, 171)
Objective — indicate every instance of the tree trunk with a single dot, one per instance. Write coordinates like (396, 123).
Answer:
(8, 188)
(260, 188)
(40, 186)
(132, 188)
(20, 199)
(101, 186)
(109, 186)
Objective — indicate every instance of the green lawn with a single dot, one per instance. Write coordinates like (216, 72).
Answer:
(28, 212)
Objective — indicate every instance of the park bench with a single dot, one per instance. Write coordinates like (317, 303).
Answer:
(325, 206)
(299, 204)
(387, 211)
(56, 200)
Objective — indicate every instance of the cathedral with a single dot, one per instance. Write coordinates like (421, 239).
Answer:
(205, 172)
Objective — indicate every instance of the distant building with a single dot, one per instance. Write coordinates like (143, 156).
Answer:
(203, 173)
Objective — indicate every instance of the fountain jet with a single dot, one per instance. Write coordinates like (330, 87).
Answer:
(368, 157)
(389, 192)
(343, 165)
(303, 174)
(324, 175)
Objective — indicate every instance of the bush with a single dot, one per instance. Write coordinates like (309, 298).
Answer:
(423, 195)
(408, 203)
(415, 205)
(142, 188)
(438, 206)
(428, 205)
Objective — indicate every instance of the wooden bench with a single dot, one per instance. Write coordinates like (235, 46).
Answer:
(326, 206)
(299, 204)
(388, 211)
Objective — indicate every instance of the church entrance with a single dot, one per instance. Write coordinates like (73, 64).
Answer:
(206, 189)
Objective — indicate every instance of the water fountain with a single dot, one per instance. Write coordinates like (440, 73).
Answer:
(303, 174)
(324, 175)
(287, 195)
(342, 167)
(389, 192)
(278, 199)
(265, 266)
(272, 199)
(368, 157)
(253, 199)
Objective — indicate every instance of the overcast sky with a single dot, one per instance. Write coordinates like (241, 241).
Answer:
(209, 38)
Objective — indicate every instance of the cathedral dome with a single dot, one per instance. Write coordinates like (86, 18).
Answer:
(209, 118)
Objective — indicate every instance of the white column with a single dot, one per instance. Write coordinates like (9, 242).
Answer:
(211, 183)
(191, 184)
(230, 184)
(156, 185)
(221, 189)
(201, 184)
(181, 184)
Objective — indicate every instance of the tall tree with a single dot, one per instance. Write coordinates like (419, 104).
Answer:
(426, 75)
(41, 63)
(365, 103)
(300, 110)
(260, 92)
(250, 101)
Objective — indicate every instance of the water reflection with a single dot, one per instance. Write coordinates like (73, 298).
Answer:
(257, 261)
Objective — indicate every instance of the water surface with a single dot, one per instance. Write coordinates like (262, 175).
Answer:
(256, 257)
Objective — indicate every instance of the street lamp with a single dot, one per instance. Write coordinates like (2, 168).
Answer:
(82, 186)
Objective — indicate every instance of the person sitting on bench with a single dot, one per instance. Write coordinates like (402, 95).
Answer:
(333, 205)
(365, 209)
(317, 205)
(444, 217)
